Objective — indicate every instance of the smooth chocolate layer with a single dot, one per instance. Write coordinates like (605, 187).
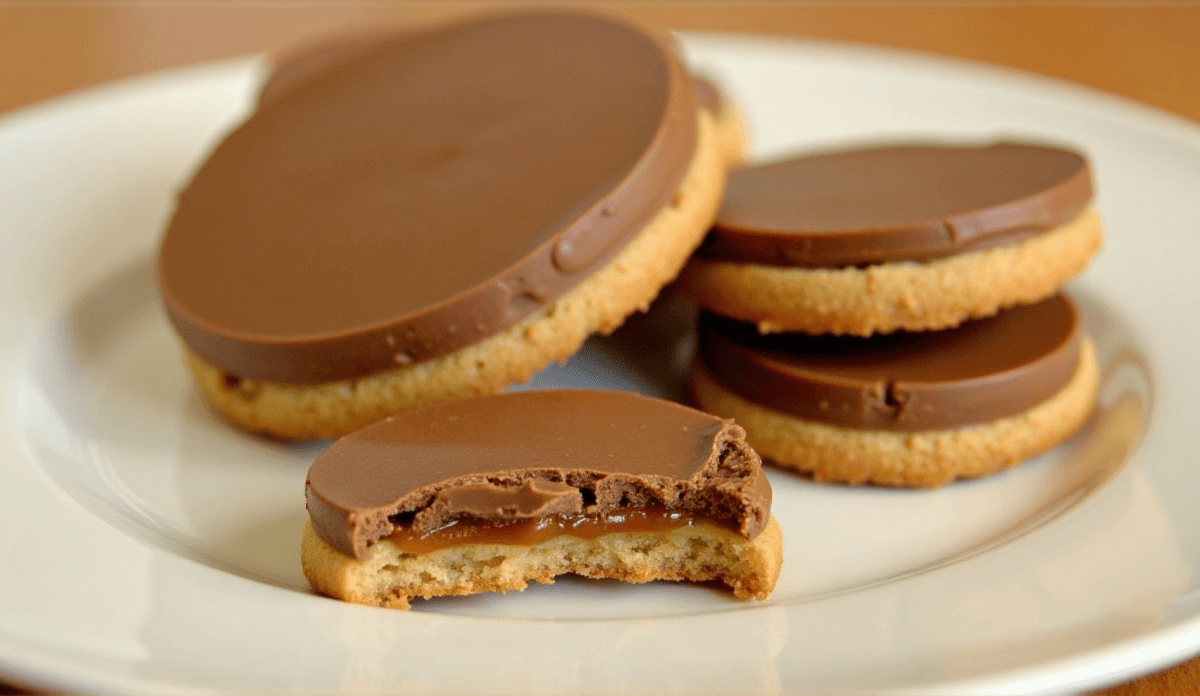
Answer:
(540, 455)
(425, 193)
(983, 370)
(293, 67)
(896, 203)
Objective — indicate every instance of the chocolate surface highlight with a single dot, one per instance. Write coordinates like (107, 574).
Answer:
(421, 194)
(534, 455)
(983, 370)
(895, 203)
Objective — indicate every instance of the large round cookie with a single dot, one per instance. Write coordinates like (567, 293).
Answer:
(911, 237)
(903, 409)
(438, 215)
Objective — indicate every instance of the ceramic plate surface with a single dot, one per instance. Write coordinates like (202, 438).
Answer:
(148, 547)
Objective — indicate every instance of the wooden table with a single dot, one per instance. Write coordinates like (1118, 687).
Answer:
(1149, 52)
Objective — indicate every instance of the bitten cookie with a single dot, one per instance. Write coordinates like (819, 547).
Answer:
(492, 493)
(902, 237)
(435, 216)
(903, 409)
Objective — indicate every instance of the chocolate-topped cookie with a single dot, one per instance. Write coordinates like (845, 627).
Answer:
(492, 493)
(892, 237)
(912, 409)
(435, 215)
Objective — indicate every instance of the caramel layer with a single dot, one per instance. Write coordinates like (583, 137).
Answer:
(530, 532)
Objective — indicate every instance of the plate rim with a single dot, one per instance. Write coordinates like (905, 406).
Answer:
(1142, 653)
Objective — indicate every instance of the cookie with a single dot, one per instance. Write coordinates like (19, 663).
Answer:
(436, 216)
(492, 493)
(896, 237)
(903, 409)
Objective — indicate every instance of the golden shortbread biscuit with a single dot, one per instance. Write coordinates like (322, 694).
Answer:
(903, 295)
(927, 458)
(700, 553)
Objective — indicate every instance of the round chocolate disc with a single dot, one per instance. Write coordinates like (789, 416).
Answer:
(895, 203)
(421, 194)
(983, 370)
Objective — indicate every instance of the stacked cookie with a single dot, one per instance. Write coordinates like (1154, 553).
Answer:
(890, 314)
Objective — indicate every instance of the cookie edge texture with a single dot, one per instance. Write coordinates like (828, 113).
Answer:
(910, 295)
(925, 459)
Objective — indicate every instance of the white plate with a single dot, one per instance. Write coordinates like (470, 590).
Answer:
(147, 547)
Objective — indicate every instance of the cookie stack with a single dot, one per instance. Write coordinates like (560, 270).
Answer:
(892, 315)
(411, 218)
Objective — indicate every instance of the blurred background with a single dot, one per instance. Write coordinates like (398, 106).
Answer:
(1146, 51)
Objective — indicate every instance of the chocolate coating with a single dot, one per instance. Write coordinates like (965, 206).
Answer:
(896, 203)
(983, 370)
(424, 193)
(512, 457)
(293, 67)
